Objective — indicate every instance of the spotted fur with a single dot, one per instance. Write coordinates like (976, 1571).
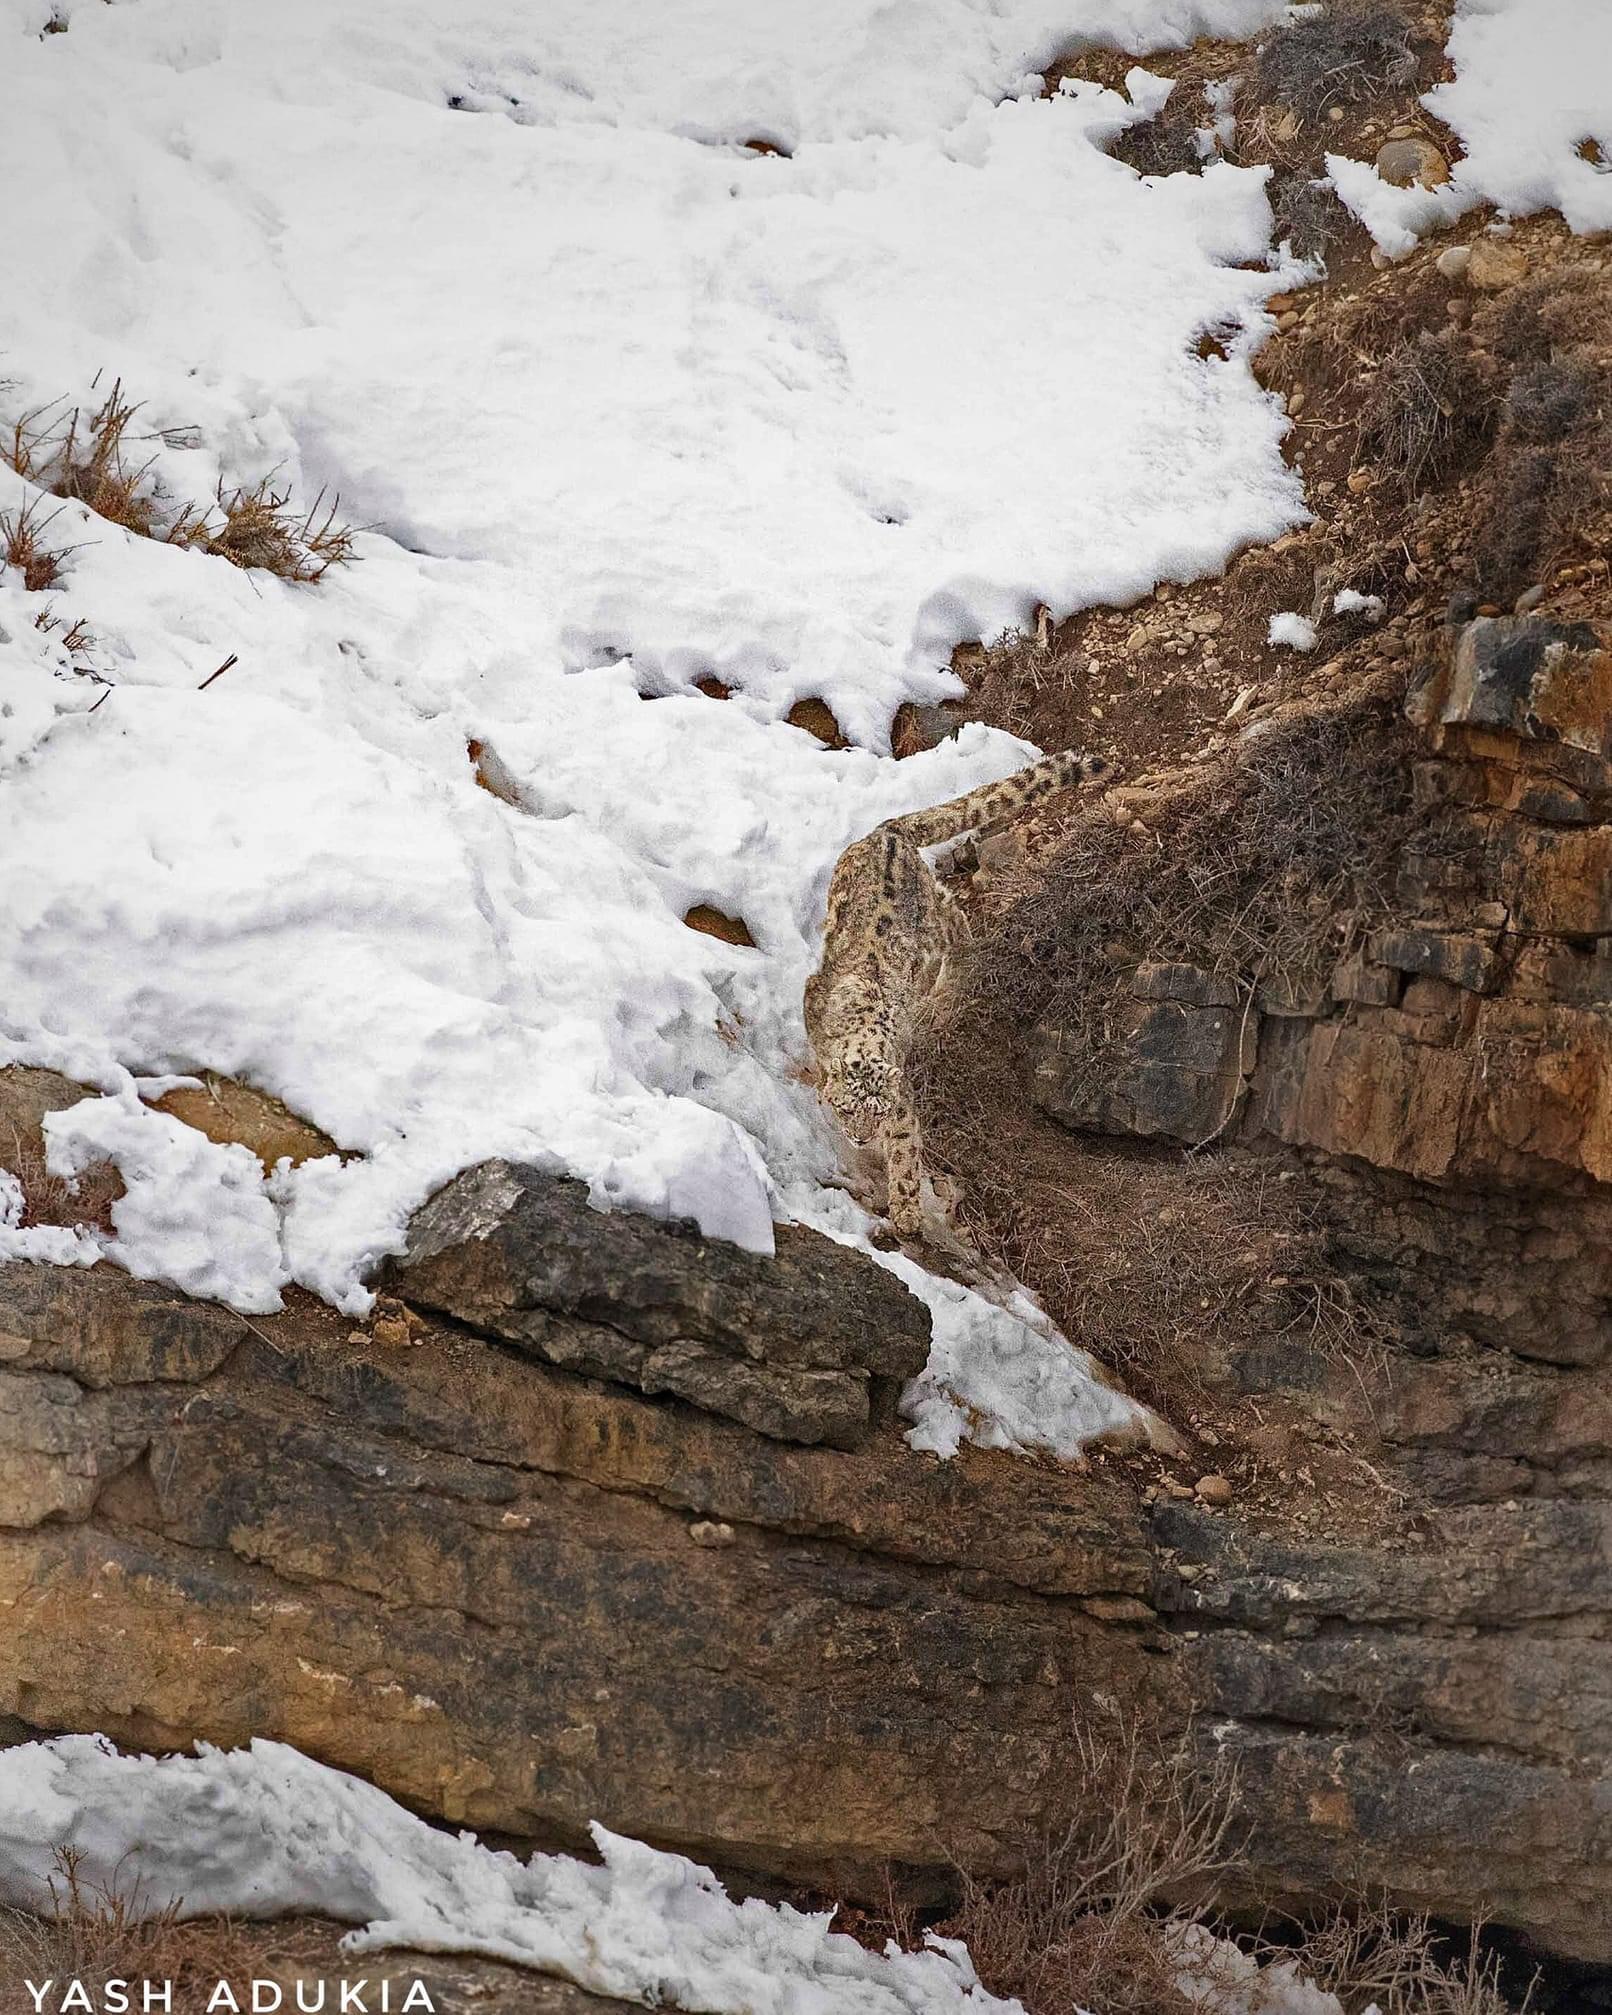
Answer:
(891, 928)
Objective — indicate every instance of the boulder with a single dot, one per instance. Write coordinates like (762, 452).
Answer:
(812, 1343)
(1188, 1041)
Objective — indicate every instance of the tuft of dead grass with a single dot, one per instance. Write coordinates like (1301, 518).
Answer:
(261, 528)
(1340, 54)
(88, 459)
(96, 1935)
(22, 545)
(51, 1199)
(84, 458)
(1164, 145)
(1429, 412)
(1307, 215)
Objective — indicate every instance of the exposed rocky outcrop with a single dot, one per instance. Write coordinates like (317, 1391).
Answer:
(1450, 1090)
(521, 1598)
(811, 1343)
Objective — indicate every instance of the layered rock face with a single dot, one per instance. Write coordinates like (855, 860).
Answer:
(810, 1344)
(522, 1598)
(1451, 1089)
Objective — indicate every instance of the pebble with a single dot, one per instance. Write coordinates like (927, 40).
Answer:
(1360, 481)
(1453, 260)
(1529, 599)
(1213, 1489)
(711, 1532)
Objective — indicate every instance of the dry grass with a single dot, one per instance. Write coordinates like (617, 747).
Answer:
(51, 1199)
(261, 528)
(1429, 412)
(1345, 52)
(1108, 1912)
(1164, 145)
(89, 459)
(22, 545)
(1141, 1831)
(1264, 870)
(1306, 214)
(95, 1935)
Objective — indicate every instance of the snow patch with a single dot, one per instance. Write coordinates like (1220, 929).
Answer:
(1297, 632)
(264, 1832)
(1531, 86)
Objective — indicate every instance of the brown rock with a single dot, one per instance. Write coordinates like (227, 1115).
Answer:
(1188, 1047)
(468, 1577)
(1526, 676)
(817, 718)
(1412, 163)
(717, 923)
(1496, 263)
(228, 1111)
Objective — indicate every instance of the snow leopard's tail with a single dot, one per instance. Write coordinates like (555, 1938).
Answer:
(995, 804)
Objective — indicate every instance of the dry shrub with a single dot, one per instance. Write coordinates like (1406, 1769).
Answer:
(1164, 145)
(1307, 215)
(1261, 871)
(86, 459)
(97, 1934)
(1429, 412)
(1548, 486)
(1141, 1830)
(1159, 1259)
(1366, 1954)
(52, 1199)
(1108, 1912)
(1346, 51)
(22, 546)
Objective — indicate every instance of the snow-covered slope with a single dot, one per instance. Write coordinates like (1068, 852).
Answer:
(624, 403)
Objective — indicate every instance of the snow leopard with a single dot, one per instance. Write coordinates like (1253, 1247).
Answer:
(892, 926)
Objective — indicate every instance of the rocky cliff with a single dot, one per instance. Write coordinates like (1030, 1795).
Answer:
(521, 1597)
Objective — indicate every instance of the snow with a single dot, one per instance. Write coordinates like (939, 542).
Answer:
(999, 1375)
(622, 403)
(1351, 602)
(264, 1831)
(1530, 86)
(1290, 628)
